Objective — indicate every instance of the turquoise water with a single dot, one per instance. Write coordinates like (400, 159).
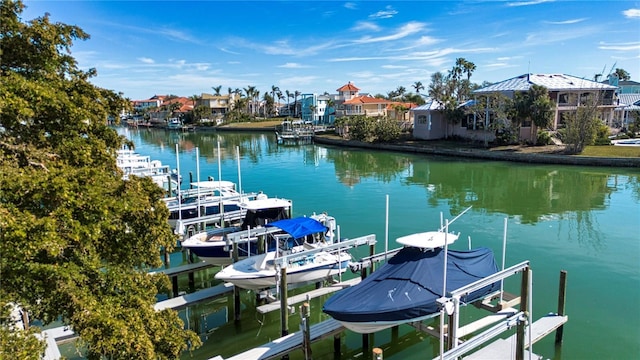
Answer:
(580, 219)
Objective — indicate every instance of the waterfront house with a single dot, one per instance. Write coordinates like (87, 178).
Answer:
(219, 105)
(566, 92)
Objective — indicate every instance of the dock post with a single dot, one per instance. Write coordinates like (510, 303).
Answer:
(190, 177)
(167, 258)
(284, 309)
(306, 330)
(524, 303)
(169, 186)
(174, 285)
(336, 346)
(192, 282)
(377, 354)
(561, 302)
(236, 290)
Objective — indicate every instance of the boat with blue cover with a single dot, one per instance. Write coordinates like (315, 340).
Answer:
(407, 287)
(297, 240)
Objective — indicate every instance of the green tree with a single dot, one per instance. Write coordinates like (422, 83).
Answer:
(581, 126)
(418, 86)
(76, 240)
(623, 74)
(216, 90)
(534, 105)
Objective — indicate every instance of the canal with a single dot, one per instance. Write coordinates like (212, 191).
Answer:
(585, 220)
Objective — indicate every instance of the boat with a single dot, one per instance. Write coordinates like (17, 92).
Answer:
(299, 250)
(174, 124)
(212, 246)
(407, 287)
(134, 164)
(204, 199)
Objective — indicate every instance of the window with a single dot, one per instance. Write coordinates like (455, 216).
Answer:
(422, 119)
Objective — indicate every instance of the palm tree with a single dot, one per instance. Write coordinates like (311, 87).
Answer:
(274, 90)
(327, 112)
(217, 89)
(295, 102)
(418, 86)
(400, 91)
(288, 97)
(195, 99)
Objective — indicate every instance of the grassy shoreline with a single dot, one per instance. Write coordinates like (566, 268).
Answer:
(589, 151)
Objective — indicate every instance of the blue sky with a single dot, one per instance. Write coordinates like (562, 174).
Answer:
(143, 48)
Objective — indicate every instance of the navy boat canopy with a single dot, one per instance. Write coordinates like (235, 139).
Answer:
(409, 284)
(299, 227)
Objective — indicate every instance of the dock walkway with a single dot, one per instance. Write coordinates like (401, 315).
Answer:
(286, 344)
(506, 349)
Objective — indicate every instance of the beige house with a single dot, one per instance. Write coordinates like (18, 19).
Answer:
(219, 104)
(567, 93)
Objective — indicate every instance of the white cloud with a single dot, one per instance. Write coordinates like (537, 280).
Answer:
(290, 65)
(393, 67)
(527, 3)
(365, 25)
(384, 14)
(146, 60)
(632, 13)
(350, 5)
(404, 31)
(620, 47)
(566, 22)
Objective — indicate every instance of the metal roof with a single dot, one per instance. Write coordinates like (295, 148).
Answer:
(553, 82)
(629, 101)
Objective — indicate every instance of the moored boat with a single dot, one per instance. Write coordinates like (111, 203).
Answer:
(407, 287)
(211, 245)
(301, 241)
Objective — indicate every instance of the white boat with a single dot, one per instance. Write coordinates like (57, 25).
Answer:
(205, 201)
(134, 164)
(300, 251)
(212, 245)
(174, 124)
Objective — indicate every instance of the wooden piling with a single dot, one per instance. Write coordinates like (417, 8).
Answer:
(284, 309)
(336, 346)
(524, 303)
(306, 330)
(377, 354)
(236, 290)
(561, 303)
(174, 286)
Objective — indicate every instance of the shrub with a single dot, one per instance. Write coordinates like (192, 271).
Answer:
(543, 138)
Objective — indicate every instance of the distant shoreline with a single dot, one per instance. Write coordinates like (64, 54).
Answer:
(473, 153)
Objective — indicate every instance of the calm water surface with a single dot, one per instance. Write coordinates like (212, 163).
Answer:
(580, 219)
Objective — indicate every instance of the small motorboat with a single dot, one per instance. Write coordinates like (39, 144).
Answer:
(300, 242)
(212, 246)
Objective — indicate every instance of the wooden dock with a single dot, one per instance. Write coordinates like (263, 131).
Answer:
(286, 344)
(505, 349)
(273, 306)
(190, 299)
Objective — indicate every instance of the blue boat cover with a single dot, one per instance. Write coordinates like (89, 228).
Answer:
(299, 227)
(409, 284)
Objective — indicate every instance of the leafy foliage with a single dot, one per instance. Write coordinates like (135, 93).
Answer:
(76, 240)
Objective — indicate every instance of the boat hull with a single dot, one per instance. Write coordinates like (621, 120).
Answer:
(267, 279)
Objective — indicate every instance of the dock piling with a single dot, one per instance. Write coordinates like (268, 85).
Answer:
(377, 354)
(561, 303)
(306, 330)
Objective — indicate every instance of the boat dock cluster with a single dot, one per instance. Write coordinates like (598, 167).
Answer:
(262, 248)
